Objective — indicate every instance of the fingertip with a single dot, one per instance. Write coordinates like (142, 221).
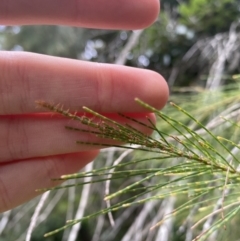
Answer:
(128, 83)
(146, 13)
(163, 90)
(123, 14)
(151, 13)
(155, 89)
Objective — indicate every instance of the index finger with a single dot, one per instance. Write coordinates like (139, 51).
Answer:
(111, 14)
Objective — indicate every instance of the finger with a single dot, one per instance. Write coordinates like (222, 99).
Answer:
(25, 78)
(19, 180)
(118, 14)
(43, 135)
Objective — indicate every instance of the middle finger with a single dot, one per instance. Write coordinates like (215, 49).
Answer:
(25, 78)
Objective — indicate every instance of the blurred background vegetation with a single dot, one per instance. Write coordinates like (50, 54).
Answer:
(195, 45)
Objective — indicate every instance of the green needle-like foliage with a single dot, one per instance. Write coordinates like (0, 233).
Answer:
(193, 159)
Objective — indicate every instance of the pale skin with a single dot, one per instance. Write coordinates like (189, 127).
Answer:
(34, 144)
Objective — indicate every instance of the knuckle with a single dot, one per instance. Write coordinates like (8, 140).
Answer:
(14, 82)
(105, 89)
(4, 197)
(52, 169)
(17, 139)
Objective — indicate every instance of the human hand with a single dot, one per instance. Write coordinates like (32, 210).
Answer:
(35, 146)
